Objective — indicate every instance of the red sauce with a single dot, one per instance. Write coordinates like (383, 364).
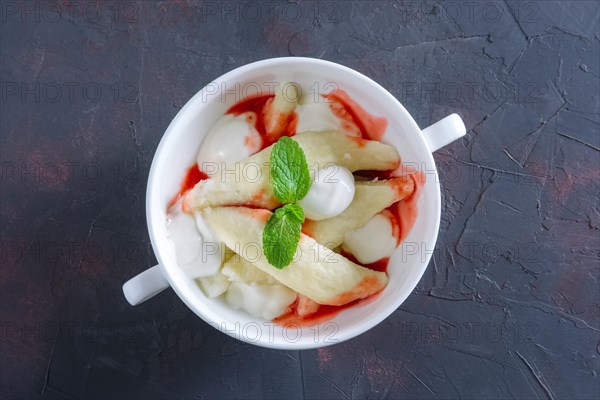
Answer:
(192, 177)
(255, 105)
(247, 205)
(379, 265)
(405, 211)
(351, 113)
(254, 109)
(396, 231)
(307, 227)
(257, 213)
(291, 319)
(358, 140)
(381, 175)
(292, 123)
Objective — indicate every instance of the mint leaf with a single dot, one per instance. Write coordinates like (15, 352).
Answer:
(295, 212)
(282, 235)
(289, 171)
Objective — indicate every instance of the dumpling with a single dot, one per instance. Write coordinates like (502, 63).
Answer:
(369, 199)
(316, 271)
(279, 110)
(237, 268)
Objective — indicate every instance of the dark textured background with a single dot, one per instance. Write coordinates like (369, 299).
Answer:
(509, 306)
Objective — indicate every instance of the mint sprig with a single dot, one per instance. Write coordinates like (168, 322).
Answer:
(291, 181)
(282, 234)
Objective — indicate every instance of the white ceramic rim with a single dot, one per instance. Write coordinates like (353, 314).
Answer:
(152, 196)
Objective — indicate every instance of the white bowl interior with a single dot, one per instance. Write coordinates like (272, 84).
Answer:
(177, 152)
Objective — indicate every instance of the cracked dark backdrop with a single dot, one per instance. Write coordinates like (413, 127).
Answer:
(509, 305)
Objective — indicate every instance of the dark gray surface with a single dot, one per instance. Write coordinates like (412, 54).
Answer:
(509, 306)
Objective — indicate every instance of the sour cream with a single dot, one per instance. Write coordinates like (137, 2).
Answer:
(330, 194)
(373, 241)
(229, 140)
(266, 301)
(197, 251)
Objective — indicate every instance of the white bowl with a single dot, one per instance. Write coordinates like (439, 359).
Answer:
(177, 152)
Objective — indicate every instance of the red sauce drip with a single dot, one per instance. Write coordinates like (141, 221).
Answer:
(291, 319)
(379, 265)
(358, 140)
(192, 177)
(350, 112)
(247, 205)
(370, 175)
(405, 211)
(307, 227)
(396, 230)
(254, 108)
(255, 105)
(292, 123)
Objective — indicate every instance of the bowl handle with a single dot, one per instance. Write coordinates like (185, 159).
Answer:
(444, 132)
(145, 285)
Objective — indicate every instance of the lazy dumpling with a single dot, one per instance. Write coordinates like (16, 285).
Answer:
(370, 197)
(316, 271)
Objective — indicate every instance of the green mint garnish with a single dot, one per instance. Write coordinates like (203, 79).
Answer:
(291, 180)
(282, 234)
(289, 171)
